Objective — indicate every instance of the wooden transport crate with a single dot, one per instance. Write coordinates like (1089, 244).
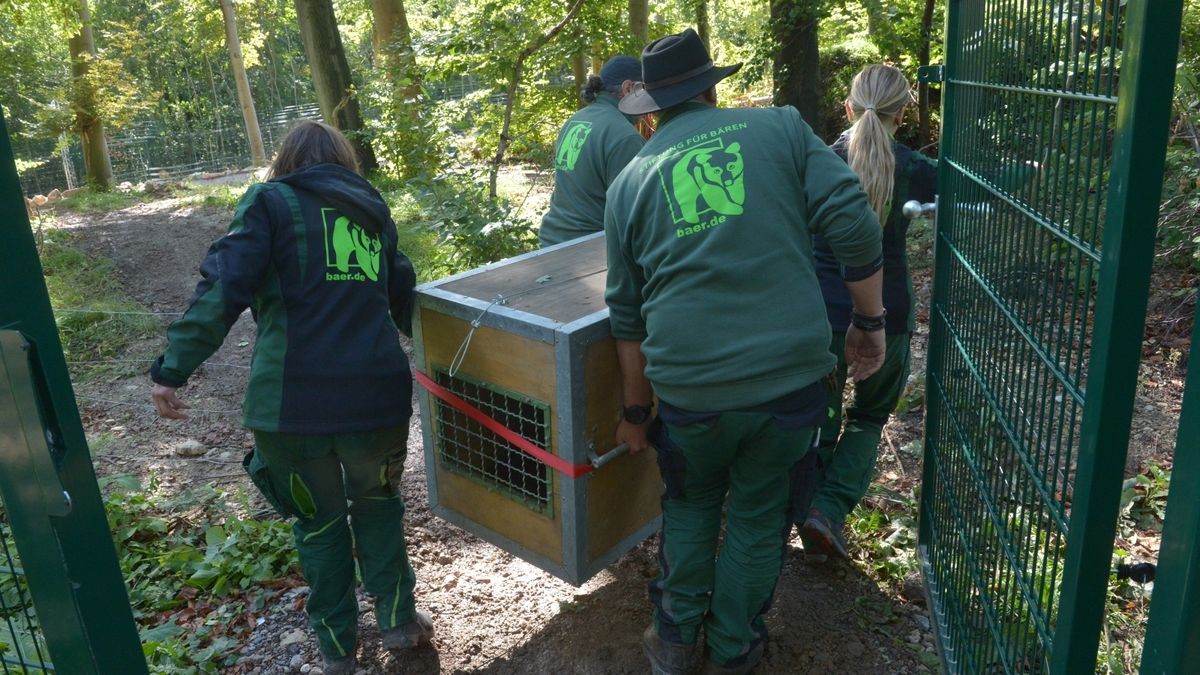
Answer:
(528, 342)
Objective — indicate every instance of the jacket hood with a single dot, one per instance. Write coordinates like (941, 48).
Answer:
(345, 190)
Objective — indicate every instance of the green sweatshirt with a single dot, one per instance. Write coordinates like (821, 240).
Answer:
(710, 258)
(593, 146)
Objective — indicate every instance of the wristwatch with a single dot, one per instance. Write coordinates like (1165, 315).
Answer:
(636, 414)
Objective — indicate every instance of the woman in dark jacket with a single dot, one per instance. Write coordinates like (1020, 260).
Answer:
(891, 173)
(313, 253)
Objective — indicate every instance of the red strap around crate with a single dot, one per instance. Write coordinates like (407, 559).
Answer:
(554, 462)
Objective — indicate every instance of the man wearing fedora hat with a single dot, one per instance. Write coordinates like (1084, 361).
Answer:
(593, 146)
(716, 310)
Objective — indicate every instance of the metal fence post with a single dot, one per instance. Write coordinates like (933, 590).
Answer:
(1173, 635)
(1146, 86)
(92, 629)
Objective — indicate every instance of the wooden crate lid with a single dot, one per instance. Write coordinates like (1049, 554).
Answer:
(563, 283)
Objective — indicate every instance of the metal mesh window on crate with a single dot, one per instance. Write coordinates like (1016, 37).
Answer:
(466, 447)
(22, 645)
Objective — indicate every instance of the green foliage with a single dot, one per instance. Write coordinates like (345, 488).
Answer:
(20, 632)
(1179, 218)
(192, 579)
(1144, 499)
(88, 201)
(883, 530)
(453, 226)
(79, 281)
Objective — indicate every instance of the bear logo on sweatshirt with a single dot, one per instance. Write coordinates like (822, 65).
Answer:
(349, 247)
(705, 179)
(571, 145)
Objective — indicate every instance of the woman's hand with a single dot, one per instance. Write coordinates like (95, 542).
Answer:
(864, 352)
(167, 403)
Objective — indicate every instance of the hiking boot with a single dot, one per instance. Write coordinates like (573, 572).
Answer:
(339, 665)
(821, 536)
(415, 633)
(751, 660)
(666, 658)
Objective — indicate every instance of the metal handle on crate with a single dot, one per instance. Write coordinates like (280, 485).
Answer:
(915, 209)
(600, 460)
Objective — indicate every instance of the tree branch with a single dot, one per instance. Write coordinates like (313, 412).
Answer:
(513, 84)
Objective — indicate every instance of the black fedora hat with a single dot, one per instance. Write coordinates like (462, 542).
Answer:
(675, 68)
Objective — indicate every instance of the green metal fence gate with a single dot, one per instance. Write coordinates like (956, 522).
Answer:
(1054, 127)
(63, 605)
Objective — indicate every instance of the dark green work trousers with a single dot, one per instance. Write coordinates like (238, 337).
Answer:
(320, 480)
(747, 458)
(847, 456)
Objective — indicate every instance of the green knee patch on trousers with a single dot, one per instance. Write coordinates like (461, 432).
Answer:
(302, 497)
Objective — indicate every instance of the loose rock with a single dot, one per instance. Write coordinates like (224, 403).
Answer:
(189, 448)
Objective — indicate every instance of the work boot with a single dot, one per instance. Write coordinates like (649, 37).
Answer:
(823, 537)
(415, 633)
(666, 658)
(339, 665)
(751, 660)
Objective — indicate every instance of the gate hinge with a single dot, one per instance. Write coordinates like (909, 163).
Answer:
(931, 73)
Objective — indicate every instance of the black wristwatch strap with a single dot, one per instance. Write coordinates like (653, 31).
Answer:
(868, 324)
(636, 414)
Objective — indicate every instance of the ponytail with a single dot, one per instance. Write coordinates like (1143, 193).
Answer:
(879, 92)
(594, 86)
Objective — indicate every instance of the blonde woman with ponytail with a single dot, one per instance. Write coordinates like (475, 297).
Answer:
(891, 173)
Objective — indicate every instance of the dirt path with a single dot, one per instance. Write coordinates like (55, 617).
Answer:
(493, 612)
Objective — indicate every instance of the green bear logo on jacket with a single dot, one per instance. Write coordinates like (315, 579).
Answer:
(571, 145)
(706, 178)
(348, 245)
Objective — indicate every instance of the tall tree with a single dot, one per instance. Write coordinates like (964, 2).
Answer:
(96, 160)
(703, 27)
(515, 83)
(331, 74)
(392, 42)
(639, 20)
(580, 73)
(923, 123)
(258, 154)
(797, 63)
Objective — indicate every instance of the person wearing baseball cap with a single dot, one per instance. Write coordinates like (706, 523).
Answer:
(717, 313)
(592, 148)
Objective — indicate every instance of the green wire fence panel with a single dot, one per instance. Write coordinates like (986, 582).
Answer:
(22, 643)
(1045, 235)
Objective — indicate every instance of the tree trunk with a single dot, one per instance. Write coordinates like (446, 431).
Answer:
(639, 20)
(96, 161)
(797, 63)
(703, 29)
(597, 60)
(923, 121)
(258, 154)
(513, 85)
(331, 75)
(392, 42)
(579, 70)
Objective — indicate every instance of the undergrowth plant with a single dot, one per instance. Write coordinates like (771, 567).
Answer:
(883, 534)
(195, 580)
(448, 224)
(96, 320)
